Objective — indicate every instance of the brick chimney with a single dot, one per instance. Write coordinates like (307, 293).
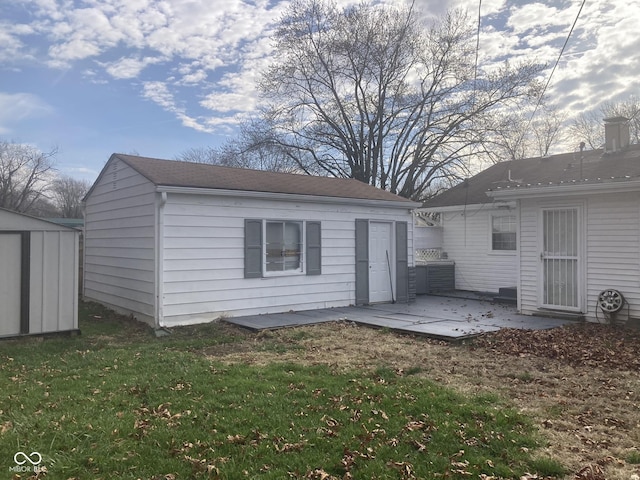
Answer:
(616, 134)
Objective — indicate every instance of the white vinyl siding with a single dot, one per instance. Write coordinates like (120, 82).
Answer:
(611, 238)
(203, 260)
(119, 246)
(466, 238)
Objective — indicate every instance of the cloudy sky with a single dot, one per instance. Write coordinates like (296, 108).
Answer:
(156, 77)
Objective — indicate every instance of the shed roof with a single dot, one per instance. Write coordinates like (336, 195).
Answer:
(200, 175)
(593, 166)
(15, 221)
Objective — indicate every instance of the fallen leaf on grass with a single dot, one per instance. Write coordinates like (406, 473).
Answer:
(405, 469)
(416, 425)
(591, 472)
(236, 439)
(6, 426)
(289, 447)
(319, 474)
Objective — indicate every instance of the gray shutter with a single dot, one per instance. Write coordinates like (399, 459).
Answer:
(362, 262)
(402, 263)
(314, 248)
(252, 248)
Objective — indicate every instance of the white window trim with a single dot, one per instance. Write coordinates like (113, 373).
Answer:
(303, 260)
(509, 213)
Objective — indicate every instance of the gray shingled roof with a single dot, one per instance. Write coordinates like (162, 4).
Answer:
(591, 166)
(200, 175)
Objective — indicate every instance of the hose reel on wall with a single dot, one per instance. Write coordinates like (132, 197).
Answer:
(611, 301)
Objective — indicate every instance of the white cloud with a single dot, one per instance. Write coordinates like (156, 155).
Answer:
(126, 68)
(211, 51)
(17, 107)
(603, 58)
(159, 93)
(540, 17)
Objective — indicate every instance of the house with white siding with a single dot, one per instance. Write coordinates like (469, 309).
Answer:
(38, 276)
(564, 229)
(177, 243)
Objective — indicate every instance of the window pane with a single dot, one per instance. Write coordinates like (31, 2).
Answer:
(274, 247)
(292, 245)
(283, 246)
(503, 233)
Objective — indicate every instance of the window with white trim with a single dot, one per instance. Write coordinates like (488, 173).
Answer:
(283, 246)
(503, 233)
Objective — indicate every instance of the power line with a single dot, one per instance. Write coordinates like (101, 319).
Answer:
(475, 68)
(556, 64)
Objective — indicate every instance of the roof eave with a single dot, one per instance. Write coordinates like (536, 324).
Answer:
(401, 204)
(470, 206)
(566, 189)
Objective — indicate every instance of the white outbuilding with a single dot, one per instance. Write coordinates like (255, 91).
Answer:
(38, 276)
(176, 243)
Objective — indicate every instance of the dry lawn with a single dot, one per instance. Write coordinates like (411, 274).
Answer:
(580, 384)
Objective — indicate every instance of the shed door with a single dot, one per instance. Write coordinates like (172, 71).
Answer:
(10, 291)
(380, 260)
(560, 258)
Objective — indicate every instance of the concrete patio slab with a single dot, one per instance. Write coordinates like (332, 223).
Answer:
(451, 318)
(448, 330)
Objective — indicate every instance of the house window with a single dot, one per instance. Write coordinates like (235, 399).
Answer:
(503, 233)
(273, 247)
(283, 246)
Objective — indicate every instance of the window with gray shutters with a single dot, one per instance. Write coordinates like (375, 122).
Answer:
(280, 247)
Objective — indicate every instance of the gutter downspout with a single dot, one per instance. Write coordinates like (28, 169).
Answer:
(159, 314)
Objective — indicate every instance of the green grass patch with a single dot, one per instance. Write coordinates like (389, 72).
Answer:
(117, 402)
(549, 468)
(633, 457)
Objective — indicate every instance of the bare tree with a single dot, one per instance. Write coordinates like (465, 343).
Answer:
(68, 193)
(24, 175)
(517, 135)
(587, 127)
(370, 92)
(548, 130)
(251, 149)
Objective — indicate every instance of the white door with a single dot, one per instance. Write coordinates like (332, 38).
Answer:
(380, 262)
(560, 258)
(10, 267)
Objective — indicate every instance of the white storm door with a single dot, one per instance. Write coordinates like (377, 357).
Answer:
(560, 259)
(380, 260)
(10, 283)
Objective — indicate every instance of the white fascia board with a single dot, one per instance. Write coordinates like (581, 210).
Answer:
(469, 207)
(566, 189)
(289, 197)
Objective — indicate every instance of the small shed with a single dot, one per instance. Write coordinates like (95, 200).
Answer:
(38, 276)
(176, 243)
